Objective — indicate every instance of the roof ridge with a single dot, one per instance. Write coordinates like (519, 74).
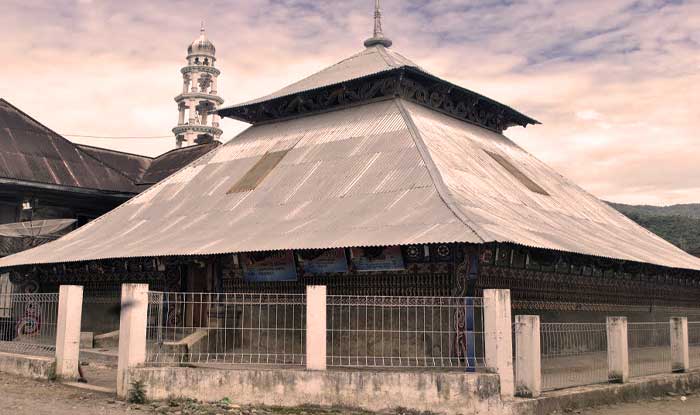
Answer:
(385, 56)
(114, 151)
(434, 172)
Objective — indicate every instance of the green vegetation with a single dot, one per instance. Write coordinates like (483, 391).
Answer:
(137, 393)
(678, 224)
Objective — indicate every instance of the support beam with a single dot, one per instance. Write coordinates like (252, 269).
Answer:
(498, 337)
(316, 327)
(528, 358)
(618, 352)
(680, 356)
(70, 309)
(132, 333)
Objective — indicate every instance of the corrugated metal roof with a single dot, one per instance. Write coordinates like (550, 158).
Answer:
(501, 208)
(385, 173)
(370, 61)
(132, 165)
(31, 152)
(172, 161)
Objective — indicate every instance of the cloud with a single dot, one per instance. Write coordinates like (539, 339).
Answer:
(615, 83)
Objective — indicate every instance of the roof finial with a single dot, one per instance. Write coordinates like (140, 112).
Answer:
(378, 38)
(201, 29)
(378, 20)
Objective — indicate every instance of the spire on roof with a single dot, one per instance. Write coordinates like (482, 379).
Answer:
(201, 28)
(378, 38)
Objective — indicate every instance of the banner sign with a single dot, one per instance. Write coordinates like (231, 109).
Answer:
(269, 266)
(377, 259)
(323, 262)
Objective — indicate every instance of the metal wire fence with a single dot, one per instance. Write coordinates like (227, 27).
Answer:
(28, 323)
(573, 354)
(226, 329)
(649, 348)
(374, 331)
(694, 343)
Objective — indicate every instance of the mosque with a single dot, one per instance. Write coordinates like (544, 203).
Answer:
(372, 177)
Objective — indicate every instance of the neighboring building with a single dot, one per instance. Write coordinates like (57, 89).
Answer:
(374, 177)
(198, 122)
(45, 176)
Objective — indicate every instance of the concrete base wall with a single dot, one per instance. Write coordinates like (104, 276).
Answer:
(451, 393)
(27, 366)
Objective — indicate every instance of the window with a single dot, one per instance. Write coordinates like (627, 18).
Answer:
(258, 172)
(515, 172)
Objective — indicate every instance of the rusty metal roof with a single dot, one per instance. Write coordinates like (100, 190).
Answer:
(383, 173)
(144, 170)
(133, 166)
(172, 161)
(30, 152)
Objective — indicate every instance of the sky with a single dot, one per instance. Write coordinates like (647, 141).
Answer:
(615, 83)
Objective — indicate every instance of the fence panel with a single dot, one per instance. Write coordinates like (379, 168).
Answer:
(694, 343)
(226, 329)
(649, 348)
(374, 331)
(28, 323)
(573, 354)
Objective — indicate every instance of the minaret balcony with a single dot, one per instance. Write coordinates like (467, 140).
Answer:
(183, 128)
(200, 68)
(199, 95)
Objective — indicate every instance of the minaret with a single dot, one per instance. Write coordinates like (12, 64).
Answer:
(378, 38)
(197, 122)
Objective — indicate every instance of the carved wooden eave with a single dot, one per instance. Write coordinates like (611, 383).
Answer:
(405, 82)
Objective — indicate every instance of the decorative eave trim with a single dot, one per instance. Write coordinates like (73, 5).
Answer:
(405, 82)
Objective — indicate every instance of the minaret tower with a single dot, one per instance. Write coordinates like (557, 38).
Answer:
(197, 122)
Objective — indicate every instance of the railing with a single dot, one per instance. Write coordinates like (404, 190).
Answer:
(226, 329)
(649, 348)
(28, 324)
(694, 343)
(372, 331)
(573, 354)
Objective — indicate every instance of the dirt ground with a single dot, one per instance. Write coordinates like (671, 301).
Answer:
(20, 396)
(672, 405)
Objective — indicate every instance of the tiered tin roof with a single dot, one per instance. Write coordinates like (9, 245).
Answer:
(352, 157)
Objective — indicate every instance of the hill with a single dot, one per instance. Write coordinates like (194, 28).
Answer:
(678, 224)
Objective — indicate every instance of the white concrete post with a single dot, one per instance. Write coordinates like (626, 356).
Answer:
(680, 357)
(70, 309)
(498, 337)
(132, 333)
(528, 359)
(618, 357)
(316, 327)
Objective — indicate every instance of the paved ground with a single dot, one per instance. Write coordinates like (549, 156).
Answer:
(674, 405)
